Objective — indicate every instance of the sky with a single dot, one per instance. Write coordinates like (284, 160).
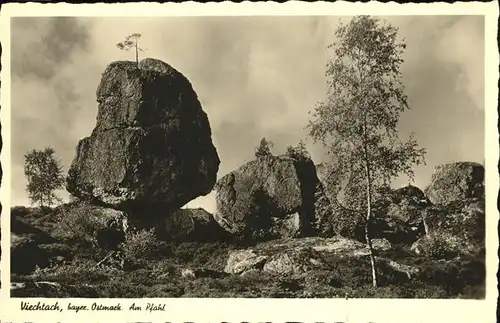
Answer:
(255, 77)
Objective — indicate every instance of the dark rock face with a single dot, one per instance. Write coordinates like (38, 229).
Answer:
(456, 181)
(193, 225)
(25, 254)
(151, 144)
(400, 213)
(272, 196)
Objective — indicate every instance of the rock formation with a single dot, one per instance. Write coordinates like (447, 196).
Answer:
(306, 255)
(400, 214)
(456, 181)
(271, 196)
(151, 145)
(457, 228)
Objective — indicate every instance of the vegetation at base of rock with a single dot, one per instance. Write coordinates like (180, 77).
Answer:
(80, 223)
(357, 122)
(44, 174)
(139, 245)
(462, 278)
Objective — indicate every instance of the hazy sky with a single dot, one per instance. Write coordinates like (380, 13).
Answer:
(255, 77)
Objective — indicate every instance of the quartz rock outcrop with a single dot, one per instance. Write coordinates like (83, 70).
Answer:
(271, 196)
(456, 181)
(151, 144)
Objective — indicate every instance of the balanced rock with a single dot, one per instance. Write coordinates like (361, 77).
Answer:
(456, 181)
(271, 196)
(151, 144)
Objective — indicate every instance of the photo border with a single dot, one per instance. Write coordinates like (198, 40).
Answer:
(262, 309)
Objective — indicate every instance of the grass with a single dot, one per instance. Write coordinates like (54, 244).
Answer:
(346, 277)
(160, 274)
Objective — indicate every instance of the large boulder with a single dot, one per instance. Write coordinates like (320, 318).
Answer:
(151, 145)
(271, 196)
(457, 228)
(456, 181)
(397, 216)
(400, 213)
(330, 185)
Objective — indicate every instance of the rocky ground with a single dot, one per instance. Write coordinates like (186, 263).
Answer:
(46, 264)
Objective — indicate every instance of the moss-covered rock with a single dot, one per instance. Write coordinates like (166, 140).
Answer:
(151, 146)
(456, 181)
(271, 196)
(457, 228)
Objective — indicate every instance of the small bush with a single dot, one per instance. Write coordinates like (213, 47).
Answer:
(298, 152)
(207, 255)
(119, 288)
(81, 223)
(140, 245)
(264, 148)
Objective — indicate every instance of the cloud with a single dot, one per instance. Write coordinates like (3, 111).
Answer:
(255, 77)
(41, 45)
(45, 91)
(466, 38)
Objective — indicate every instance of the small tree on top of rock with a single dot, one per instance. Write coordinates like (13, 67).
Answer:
(44, 174)
(131, 41)
(357, 122)
(264, 148)
(298, 152)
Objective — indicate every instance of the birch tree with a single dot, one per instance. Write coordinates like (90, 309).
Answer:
(357, 120)
(44, 174)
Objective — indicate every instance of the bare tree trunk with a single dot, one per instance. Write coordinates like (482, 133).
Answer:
(136, 52)
(368, 219)
(368, 202)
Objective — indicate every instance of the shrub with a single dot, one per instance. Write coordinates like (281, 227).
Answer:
(76, 273)
(298, 152)
(140, 245)
(81, 223)
(119, 288)
(44, 174)
(207, 255)
(264, 148)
